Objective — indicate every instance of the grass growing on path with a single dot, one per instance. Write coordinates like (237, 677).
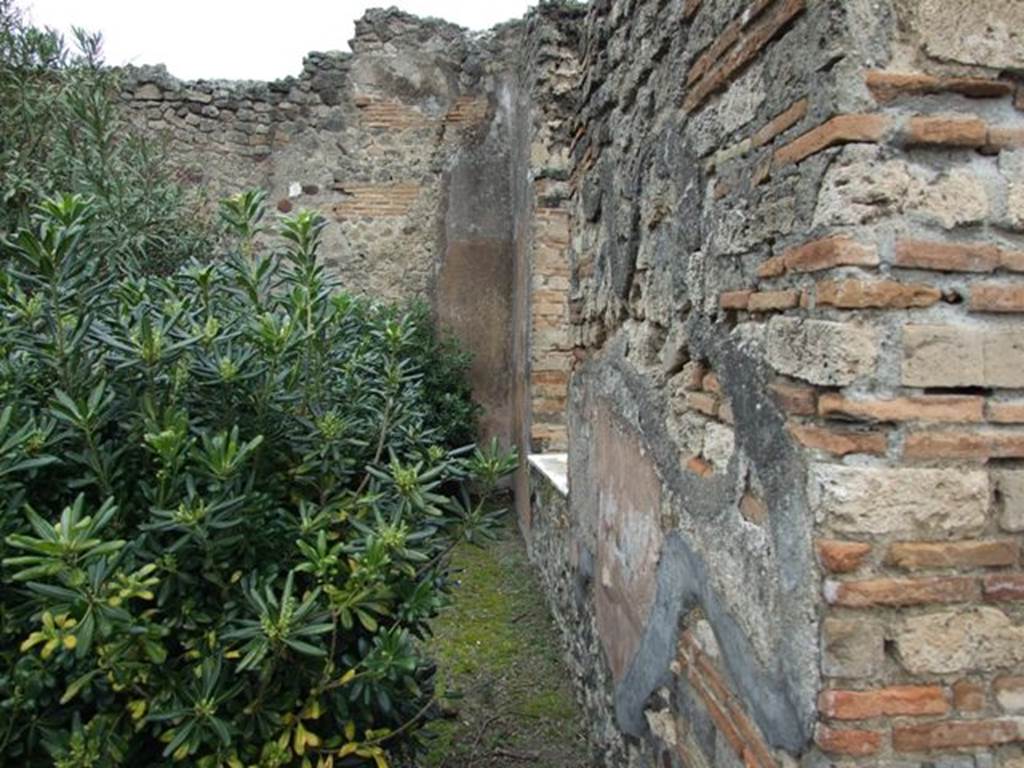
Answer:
(500, 670)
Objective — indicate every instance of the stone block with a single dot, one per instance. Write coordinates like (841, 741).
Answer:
(820, 351)
(851, 648)
(961, 356)
(948, 642)
(1009, 485)
(880, 501)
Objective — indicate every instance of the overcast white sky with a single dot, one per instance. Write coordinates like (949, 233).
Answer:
(257, 40)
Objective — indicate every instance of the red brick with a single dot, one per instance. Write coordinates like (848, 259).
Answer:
(753, 509)
(772, 301)
(954, 734)
(911, 700)
(855, 743)
(963, 444)
(963, 408)
(875, 294)
(839, 442)
(995, 297)
(842, 129)
(560, 378)
(773, 267)
(913, 556)
(968, 696)
(698, 466)
(1005, 137)
(756, 38)
(693, 375)
(947, 257)
(794, 398)
(1005, 412)
(725, 413)
(780, 123)
(714, 52)
(842, 556)
(829, 252)
(947, 131)
(704, 402)
(887, 86)
(1004, 587)
(900, 592)
(723, 706)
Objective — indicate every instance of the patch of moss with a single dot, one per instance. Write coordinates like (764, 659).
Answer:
(499, 668)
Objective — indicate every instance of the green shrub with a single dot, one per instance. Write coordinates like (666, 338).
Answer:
(227, 506)
(60, 130)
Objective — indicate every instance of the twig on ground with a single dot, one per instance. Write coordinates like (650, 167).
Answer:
(513, 755)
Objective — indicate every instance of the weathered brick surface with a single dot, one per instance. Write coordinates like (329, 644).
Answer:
(842, 129)
(980, 445)
(780, 123)
(913, 556)
(948, 257)
(969, 696)
(880, 294)
(376, 200)
(989, 297)
(902, 592)
(848, 741)
(840, 441)
(889, 86)
(908, 700)
(924, 408)
(947, 131)
(1004, 587)
(768, 301)
(827, 253)
(842, 556)
(956, 734)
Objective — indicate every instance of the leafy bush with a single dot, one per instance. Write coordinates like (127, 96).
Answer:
(227, 506)
(60, 129)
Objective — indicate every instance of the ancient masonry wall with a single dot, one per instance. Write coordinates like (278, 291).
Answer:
(756, 265)
(439, 171)
(796, 420)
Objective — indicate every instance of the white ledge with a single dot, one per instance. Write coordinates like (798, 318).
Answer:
(555, 467)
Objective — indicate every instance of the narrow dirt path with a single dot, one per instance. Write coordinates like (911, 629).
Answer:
(505, 686)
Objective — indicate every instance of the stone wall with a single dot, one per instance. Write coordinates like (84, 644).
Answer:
(796, 416)
(440, 159)
(756, 265)
(403, 144)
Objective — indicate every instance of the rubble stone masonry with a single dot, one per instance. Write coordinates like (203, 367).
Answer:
(758, 267)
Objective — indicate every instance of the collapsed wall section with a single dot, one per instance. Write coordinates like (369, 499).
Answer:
(793, 527)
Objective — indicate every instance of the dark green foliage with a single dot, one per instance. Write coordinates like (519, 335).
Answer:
(60, 130)
(229, 497)
(445, 382)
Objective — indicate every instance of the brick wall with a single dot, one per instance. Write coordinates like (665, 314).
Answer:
(372, 139)
(796, 243)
